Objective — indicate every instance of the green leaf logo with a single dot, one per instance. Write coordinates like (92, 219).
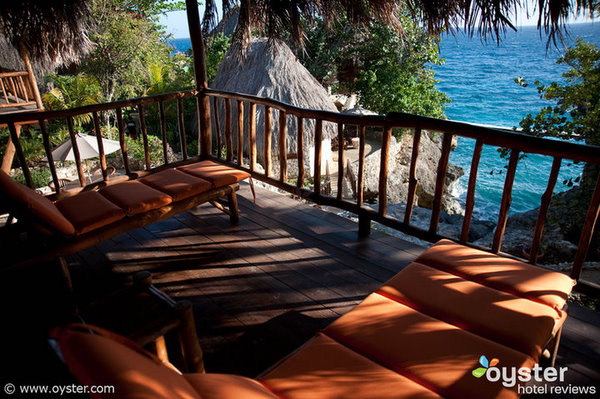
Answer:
(478, 372)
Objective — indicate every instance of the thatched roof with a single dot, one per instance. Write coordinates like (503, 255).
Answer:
(52, 31)
(273, 71)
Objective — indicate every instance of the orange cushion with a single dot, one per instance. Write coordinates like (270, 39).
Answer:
(177, 184)
(431, 352)
(89, 210)
(325, 369)
(494, 314)
(513, 276)
(224, 386)
(219, 175)
(135, 197)
(96, 360)
(40, 206)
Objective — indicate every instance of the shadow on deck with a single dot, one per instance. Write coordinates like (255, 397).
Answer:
(264, 287)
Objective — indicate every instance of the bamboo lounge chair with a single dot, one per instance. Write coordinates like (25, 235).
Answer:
(76, 222)
(427, 333)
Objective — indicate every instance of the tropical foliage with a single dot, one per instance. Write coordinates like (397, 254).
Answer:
(390, 71)
(73, 91)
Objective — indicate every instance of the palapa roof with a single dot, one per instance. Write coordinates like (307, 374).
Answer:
(52, 31)
(272, 70)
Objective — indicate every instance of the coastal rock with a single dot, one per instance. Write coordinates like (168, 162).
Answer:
(398, 172)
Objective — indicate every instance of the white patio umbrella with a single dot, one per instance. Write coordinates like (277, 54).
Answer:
(87, 145)
(88, 148)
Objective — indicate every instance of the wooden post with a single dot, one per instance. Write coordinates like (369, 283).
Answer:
(193, 17)
(464, 235)
(340, 181)
(240, 137)
(181, 126)
(82, 180)
(49, 157)
(9, 151)
(383, 170)
(546, 198)
(439, 183)
(228, 133)
(163, 130)
(300, 142)
(587, 232)
(317, 170)
(100, 146)
(282, 146)
(412, 176)
(252, 136)
(361, 166)
(144, 136)
(122, 141)
(267, 144)
(25, 57)
(506, 200)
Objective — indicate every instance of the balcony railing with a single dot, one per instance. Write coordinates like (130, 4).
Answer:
(233, 148)
(16, 90)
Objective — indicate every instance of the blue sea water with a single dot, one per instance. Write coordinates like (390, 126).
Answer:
(479, 78)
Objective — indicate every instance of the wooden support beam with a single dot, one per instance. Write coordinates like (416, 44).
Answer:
(49, 157)
(215, 107)
(202, 103)
(240, 136)
(228, 132)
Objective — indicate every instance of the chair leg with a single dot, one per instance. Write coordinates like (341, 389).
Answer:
(234, 215)
(190, 348)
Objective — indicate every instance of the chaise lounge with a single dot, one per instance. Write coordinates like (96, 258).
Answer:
(75, 222)
(428, 332)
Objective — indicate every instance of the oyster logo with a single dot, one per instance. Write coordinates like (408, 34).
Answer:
(480, 371)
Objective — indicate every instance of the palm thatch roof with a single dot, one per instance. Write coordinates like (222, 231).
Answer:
(273, 71)
(279, 19)
(52, 31)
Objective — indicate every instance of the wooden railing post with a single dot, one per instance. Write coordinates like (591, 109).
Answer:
(383, 170)
(193, 17)
(412, 176)
(506, 200)
(587, 232)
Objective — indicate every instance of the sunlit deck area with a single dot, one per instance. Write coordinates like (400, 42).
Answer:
(261, 289)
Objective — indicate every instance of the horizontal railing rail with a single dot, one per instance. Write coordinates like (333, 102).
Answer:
(234, 136)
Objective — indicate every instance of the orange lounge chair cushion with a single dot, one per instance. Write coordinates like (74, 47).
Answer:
(513, 276)
(325, 369)
(35, 203)
(219, 175)
(433, 353)
(470, 306)
(98, 360)
(135, 197)
(89, 210)
(226, 386)
(177, 184)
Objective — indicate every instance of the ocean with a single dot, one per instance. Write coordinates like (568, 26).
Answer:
(479, 78)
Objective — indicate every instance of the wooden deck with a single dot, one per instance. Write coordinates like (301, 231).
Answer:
(264, 287)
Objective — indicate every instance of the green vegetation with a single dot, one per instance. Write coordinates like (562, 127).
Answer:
(575, 115)
(389, 71)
